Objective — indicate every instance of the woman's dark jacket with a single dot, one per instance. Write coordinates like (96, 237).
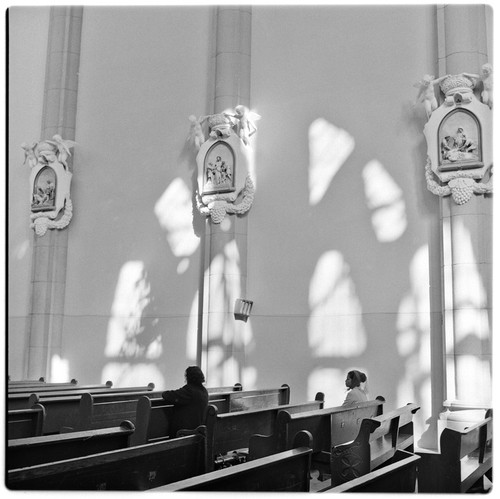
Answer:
(190, 407)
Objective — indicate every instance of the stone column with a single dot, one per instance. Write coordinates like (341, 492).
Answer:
(467, 237)
(222, 351)
(48, 277)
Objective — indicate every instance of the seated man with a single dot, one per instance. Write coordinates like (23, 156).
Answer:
(190, 402)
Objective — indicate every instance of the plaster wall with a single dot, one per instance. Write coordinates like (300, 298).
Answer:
(343, 241)
(343, 258)
(28, 33)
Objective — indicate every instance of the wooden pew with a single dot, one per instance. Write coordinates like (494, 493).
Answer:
(107, 410)
(399, 476)
(23, 381)
(62, 413)
(23, 400)
(71, 413)
(329, 427)
(465, 459)
(25, 452)
(45, 387)
(232, 431)
(240, 400)
(237, 387)
(25, 422)
(380, 442)
(287, 471)
(153, 417)
(134, 468)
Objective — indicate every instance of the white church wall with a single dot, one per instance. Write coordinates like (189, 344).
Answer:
(28, 29)
(341, 232)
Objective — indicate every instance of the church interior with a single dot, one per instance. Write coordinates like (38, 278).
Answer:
(277, 194)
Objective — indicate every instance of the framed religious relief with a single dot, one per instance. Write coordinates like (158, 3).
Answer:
(459, 139)
(219, 169)
(44, 190)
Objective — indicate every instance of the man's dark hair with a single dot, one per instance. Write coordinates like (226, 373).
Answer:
(195, 375)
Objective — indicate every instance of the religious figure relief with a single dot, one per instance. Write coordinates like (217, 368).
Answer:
(44, 190)
(219, 167)
(222, 142)
(459, 138)
(50, 179)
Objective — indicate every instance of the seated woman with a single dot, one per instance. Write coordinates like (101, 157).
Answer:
(190, 402)
(355, 393)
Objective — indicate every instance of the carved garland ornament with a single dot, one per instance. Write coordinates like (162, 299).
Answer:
(459, 134)
(222, 142)
(50, 179)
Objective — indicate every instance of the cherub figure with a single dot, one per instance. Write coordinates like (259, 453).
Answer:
(486, 77)
(62, 148)
(196, 134)
(29, 154)
(246, 120)
(427, 94)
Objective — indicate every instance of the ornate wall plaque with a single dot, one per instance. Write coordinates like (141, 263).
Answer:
(459, 138)
(224, 181)
(50, 181)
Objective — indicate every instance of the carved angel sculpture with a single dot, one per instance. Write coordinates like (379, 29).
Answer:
(29, 154)
(486, 77)
(246, 122)
(427, 94)
(62, 148)
(196, 135)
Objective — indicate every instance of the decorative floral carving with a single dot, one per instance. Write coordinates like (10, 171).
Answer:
(42, 222)
(461, 187)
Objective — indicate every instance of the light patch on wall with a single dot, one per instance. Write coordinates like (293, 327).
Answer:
(335, 326)
(473, 379)
(124, 374)
(331, 382)
(228, 337)
(413, 338)
(59, 370)
(470, 297)
(174, 212)
(192, 332)
(385, 199)
(329, 148)
(132, 295)
(21, 250)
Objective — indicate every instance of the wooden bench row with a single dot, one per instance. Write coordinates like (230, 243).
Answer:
(463, 462)
(69, 411)
(153, 465)
(328, 427)
(151, 423)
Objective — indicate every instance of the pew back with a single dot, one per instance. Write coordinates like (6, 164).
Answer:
(376, 444)
(25, 452)
(288, 471)
(233, 430)
(465, 458)
(25, 422)
(328, 426)
(400, 476)
(153, 419)
(134, 468)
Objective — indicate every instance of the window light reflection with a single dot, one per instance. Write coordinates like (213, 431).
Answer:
(385, 199)
(132, 295)
(174, 212)
(329, 148)
(335, 326)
